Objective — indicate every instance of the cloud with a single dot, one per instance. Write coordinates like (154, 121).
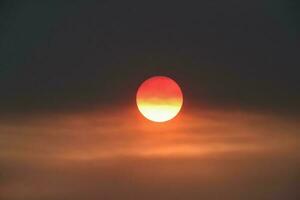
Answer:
(119, 155)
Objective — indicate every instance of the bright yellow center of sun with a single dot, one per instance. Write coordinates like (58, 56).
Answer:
(159, 99)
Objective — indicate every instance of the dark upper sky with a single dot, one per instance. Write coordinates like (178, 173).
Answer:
(225, 53)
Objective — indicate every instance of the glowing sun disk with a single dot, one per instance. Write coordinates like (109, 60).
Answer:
(159, 99)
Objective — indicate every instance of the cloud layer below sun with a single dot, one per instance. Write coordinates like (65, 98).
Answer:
(105, 154)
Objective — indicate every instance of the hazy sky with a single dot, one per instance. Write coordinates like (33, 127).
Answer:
(71, 55)
(69, 126)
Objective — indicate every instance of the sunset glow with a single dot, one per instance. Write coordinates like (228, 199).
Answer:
(159, 99)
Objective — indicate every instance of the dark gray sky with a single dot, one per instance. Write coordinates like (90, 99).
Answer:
(58, 54)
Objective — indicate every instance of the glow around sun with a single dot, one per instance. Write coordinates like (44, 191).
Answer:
(159, 98)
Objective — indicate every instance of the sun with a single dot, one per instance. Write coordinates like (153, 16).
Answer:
(159, 98)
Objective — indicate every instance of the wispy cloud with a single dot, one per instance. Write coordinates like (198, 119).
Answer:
(118, 154)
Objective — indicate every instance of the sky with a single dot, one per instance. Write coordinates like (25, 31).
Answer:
(69, 125)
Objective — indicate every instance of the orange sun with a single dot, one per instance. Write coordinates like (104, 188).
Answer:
(159, 98)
